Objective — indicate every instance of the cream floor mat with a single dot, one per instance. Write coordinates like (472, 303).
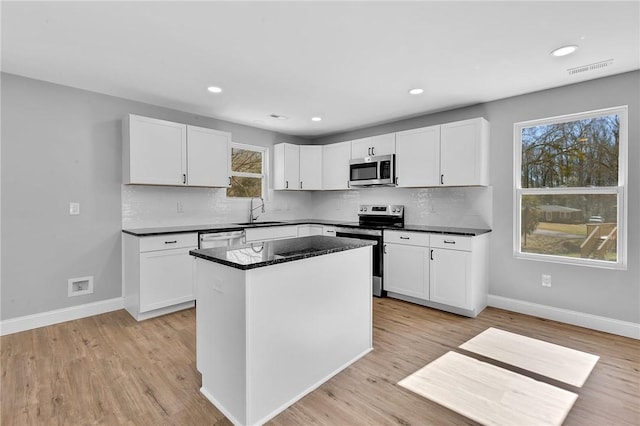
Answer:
(488, 394)
(547, 359)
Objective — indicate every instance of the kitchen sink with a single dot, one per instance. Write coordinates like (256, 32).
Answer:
(266, 222)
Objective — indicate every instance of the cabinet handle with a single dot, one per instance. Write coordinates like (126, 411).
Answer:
(405, 238)
(348, 184)
(373, 150)
(449, 242)
(369, 151)
(229, 180)
(300, 184)
(286, 184)
(441, 179)
(384, 249)
(184, 178)
(171, 242)
(396, 180)
(431, 255)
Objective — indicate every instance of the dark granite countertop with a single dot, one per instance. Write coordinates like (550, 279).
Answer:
(223, 227)
(257, 255)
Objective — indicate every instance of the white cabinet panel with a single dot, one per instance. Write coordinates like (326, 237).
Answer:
(310, 167)
(335, 166)
(166, 278)
(208, 156)
(267, 233)
(374, 145)
(308, 230)
(154, 151)
(464, 153)
(418, 157)
(450, 278)
(406, 270)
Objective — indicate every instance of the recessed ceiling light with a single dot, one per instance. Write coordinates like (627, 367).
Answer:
(415, 91)
(279, 117)
(564, 50)
(214, 89)
(316, 118)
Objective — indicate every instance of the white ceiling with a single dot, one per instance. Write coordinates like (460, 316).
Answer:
(351, 63)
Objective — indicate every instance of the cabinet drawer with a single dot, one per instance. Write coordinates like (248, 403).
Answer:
(408, 238)
(453, 242)
(168, 241)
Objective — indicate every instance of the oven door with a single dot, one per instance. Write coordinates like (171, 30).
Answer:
(373, 235)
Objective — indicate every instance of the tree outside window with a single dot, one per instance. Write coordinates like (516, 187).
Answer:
(247, 171)
(570, 188)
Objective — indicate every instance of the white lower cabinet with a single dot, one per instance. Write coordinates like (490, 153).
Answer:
(447, 272)
(158, 274)
(309, 230)
(411, 281)
(269, 233)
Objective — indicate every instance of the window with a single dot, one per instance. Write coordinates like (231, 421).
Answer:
(247, 171)
(570, 187)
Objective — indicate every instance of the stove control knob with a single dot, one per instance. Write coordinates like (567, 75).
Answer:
(365, 209)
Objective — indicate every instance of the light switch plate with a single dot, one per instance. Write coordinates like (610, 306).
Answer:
(74, 209)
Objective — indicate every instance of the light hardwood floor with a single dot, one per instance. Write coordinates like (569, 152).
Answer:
(110, 369)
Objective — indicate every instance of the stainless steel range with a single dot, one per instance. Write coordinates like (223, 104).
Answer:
(372, 219)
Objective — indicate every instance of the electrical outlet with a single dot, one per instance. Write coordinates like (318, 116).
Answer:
(546, 280)
(74, 209)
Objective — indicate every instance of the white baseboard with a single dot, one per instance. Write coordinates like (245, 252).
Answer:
(29, 322)
(594, 322)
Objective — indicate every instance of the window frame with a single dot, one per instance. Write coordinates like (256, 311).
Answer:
(265, 166)
(620, 190)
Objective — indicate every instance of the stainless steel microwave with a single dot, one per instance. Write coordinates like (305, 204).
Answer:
(373, 171)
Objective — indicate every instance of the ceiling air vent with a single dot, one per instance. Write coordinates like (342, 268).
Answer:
(590, 67)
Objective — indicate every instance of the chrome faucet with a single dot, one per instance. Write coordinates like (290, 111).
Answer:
(251, 209)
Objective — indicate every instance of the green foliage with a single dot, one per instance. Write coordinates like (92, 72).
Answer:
(530, 216)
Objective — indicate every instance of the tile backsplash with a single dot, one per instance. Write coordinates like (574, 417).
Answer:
(150, 206)
(462, 206)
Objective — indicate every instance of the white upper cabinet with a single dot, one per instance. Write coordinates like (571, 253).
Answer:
(154, 151)
(374, 145)
(311, 167)
(286, 166)
(464, 153)
(452, 154)
(297, 167)
(208, 156)
(418, 157)
(335, 166)
(159, 152)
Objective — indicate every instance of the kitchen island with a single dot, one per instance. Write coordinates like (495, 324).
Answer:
(275, 320)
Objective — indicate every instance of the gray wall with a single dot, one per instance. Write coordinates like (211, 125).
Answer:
(61, 144)
(602, 292)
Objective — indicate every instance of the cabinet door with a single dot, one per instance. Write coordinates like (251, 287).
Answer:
(310, 167)
(361, 148)
(464, 153)
(155, 151)
(166, 278)
(374, 145)
(418, 157)
(286, 164)
(335, 165)
(450, 277)
(406, 270)
(383, 144)
(208, 156)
